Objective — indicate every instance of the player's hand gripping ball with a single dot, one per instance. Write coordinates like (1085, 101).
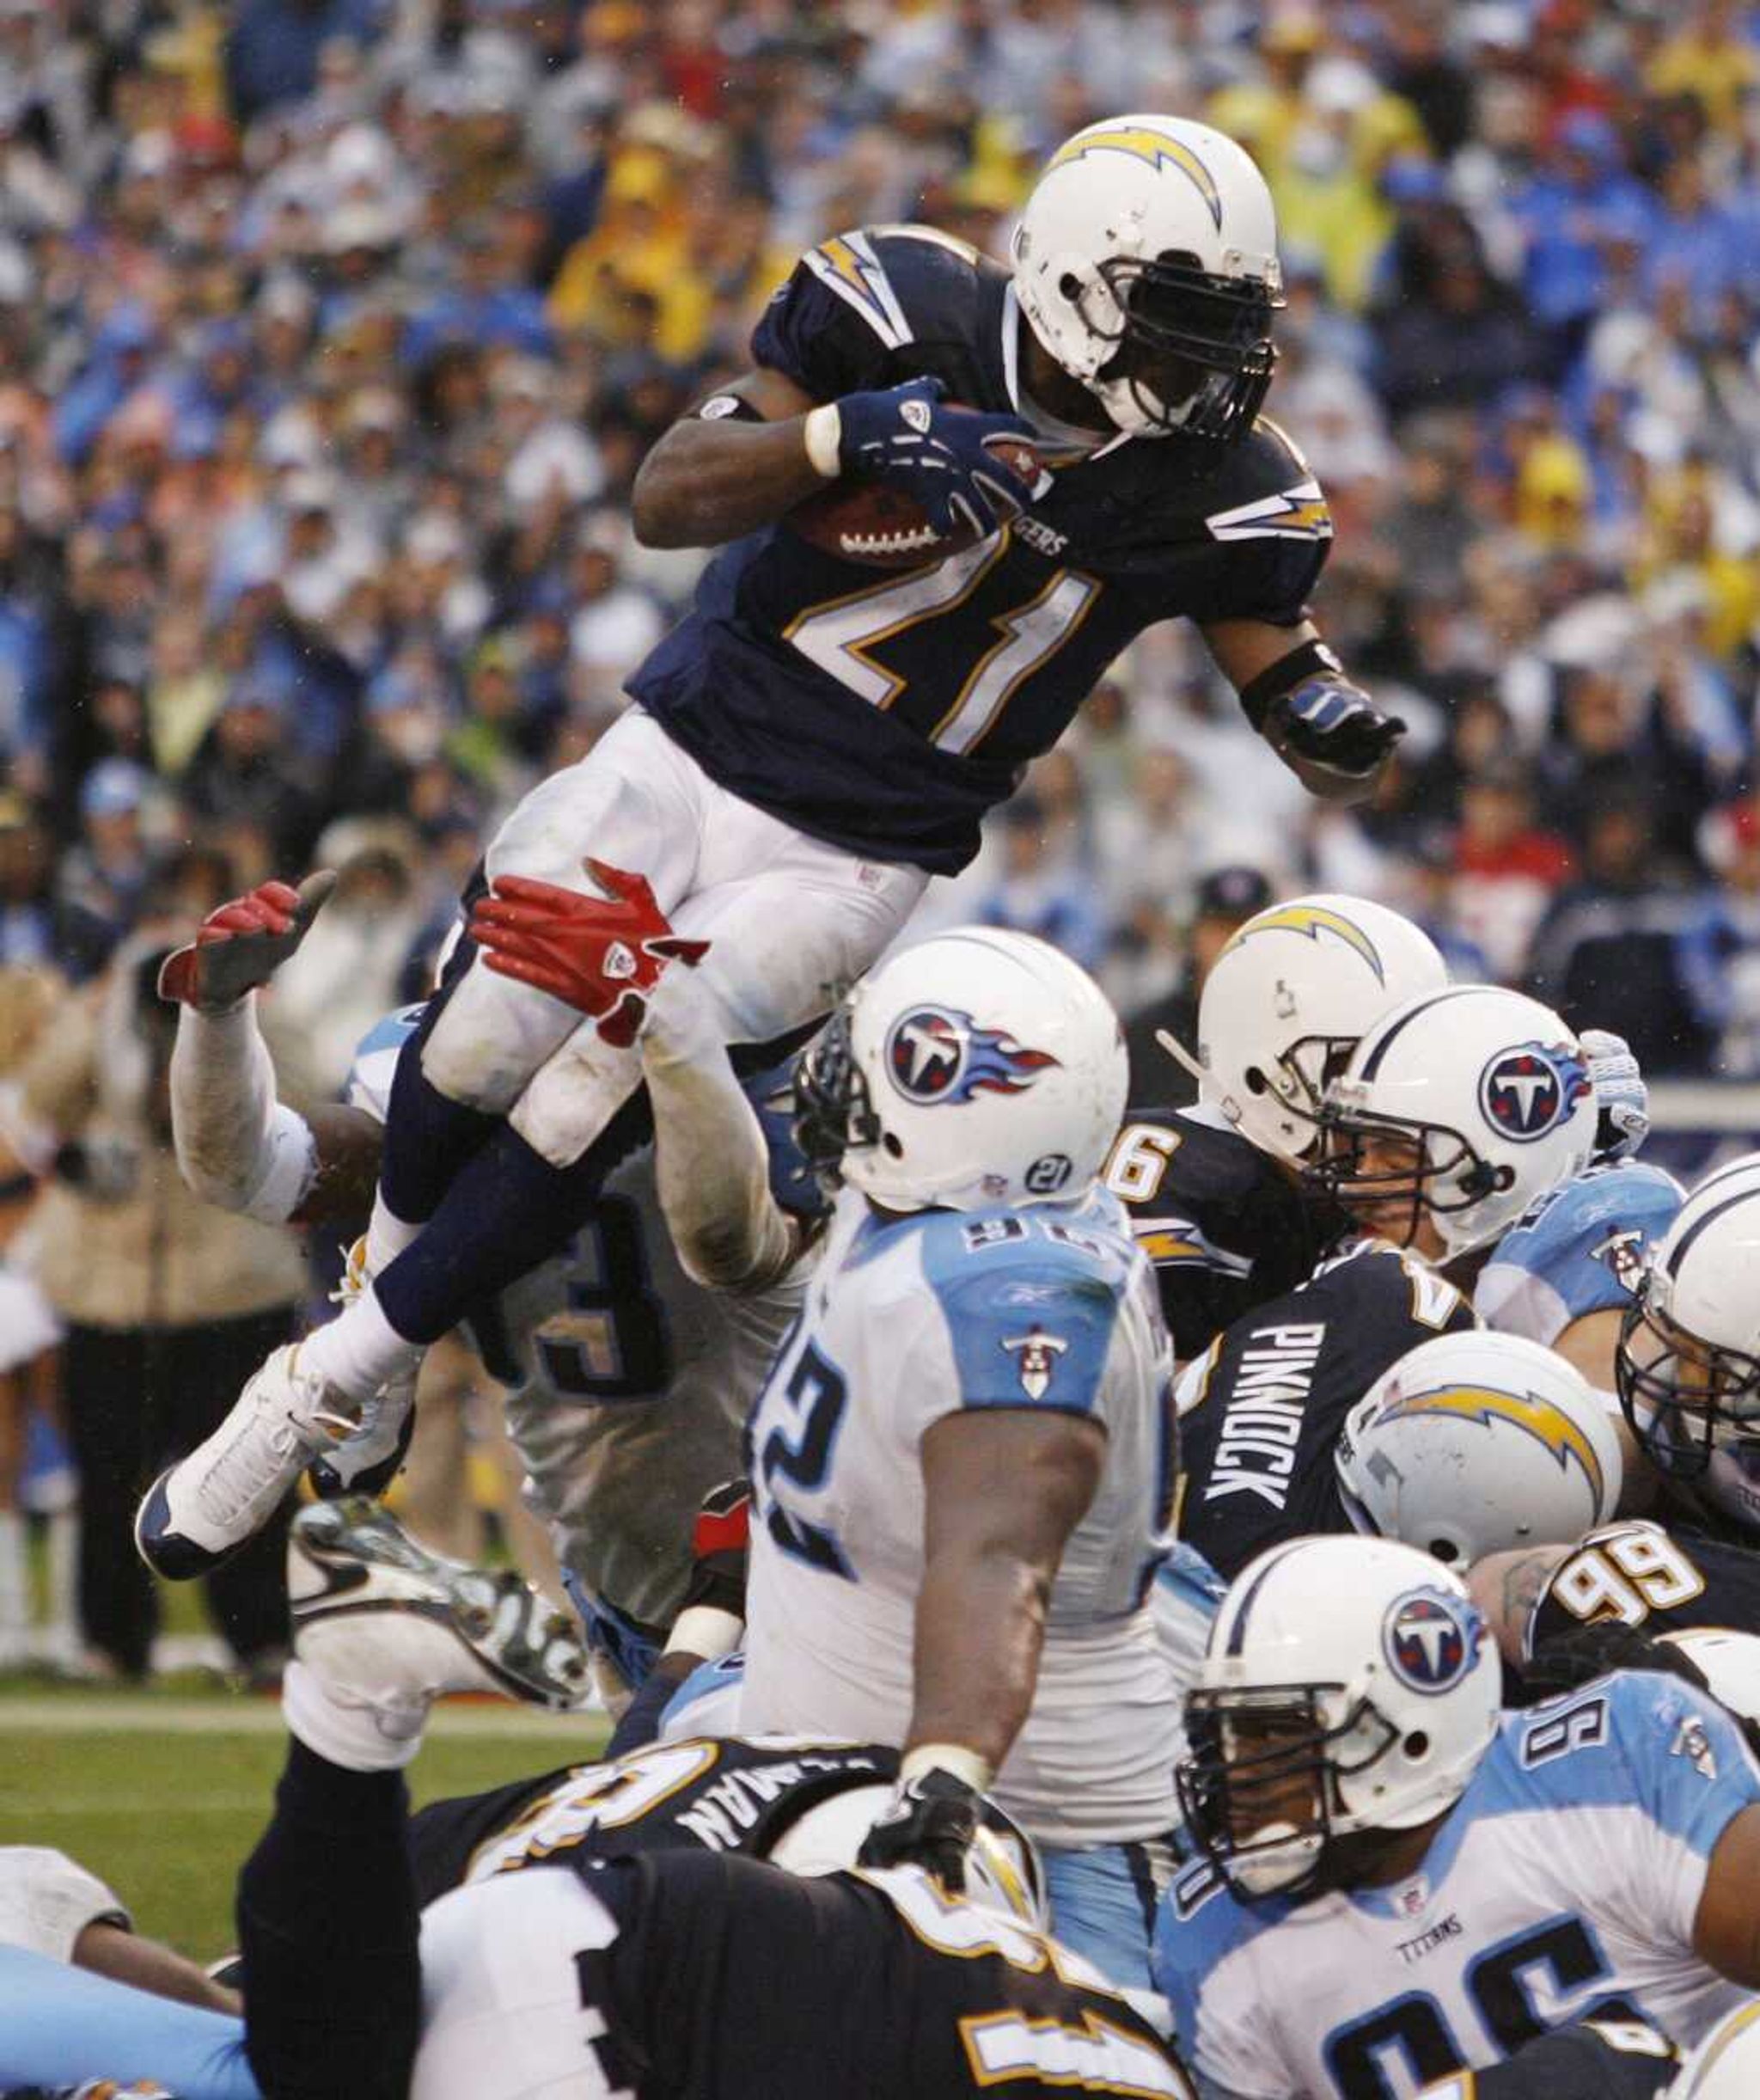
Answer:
(922, 478)
(601, 955)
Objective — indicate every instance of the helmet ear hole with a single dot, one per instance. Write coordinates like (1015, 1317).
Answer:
(1256, 1081)
(1416, 1745)
(891, 1146)
(1069, 286)
(1444, 1550)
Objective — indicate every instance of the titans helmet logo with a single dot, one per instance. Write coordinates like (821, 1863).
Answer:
(1525, 1092)
(937, 1054)
(1431, 1639)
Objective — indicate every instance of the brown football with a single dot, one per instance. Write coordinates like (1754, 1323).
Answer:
(883, 528)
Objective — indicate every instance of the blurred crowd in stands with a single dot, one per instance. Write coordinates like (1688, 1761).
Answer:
(331, 332)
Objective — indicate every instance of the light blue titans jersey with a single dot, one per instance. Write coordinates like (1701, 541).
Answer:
(1565, 1880)
(1579, 1249)
(906, 1320)
(628, 1383)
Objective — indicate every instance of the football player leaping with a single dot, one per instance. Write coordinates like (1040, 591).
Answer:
(812, 741)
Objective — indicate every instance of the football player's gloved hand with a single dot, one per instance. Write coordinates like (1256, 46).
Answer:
(243, 944)
(945, 457)
(720, 1541)
(1334, 724)
(601, 955)
(1622, 1098)
(929, 1822)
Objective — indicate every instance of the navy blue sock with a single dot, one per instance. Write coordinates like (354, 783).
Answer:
(328, 1928)
(507, 1211)
(429, 1140)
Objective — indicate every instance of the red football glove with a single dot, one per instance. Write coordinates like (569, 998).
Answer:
(720, 1541)
(601, 956)
(243, 944)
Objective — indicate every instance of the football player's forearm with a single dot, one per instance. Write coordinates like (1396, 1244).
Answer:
(710, 1161)
(980, 1628)
(705, 483)
(236, 1146)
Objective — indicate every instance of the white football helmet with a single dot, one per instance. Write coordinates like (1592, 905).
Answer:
(1349, 1686)
(1492, 1088)
(1003, 1870)
(1286, 1000)
(1146, 263)
(979, 1067)
(1476, 1442)
(1688, 1366)
(1726, 2065)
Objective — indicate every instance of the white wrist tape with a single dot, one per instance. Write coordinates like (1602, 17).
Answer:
(976, 1771)
(701, 1630)
(288, 1160)
(822, 433)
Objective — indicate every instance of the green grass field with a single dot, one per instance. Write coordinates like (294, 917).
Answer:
(164, 1793)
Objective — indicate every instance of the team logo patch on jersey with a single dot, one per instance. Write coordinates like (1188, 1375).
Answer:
(1298, 513)
(1431, 1640)
(1036, 1353)
(1526, 1092)
(1157, 148)
(1622, 1253)
(1313, 920)
(936, 1053)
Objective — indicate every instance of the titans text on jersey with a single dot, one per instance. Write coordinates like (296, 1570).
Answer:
(886, 715)
(1262, 1412)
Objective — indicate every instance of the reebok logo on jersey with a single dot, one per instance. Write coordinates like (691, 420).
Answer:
(1038, 1353)
(1262, 1426)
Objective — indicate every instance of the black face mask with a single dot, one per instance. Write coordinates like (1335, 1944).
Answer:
(1194, 349)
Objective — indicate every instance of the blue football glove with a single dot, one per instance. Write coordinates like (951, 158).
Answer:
(1331, 723)
(905, 438)
(1622, 1098)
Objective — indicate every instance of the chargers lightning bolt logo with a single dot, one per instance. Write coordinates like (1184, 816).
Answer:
(1540, 1419)
(1313, 920)
(937, 1054)
(1141, 144)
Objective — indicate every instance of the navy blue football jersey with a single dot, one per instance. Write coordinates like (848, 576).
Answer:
(1225, 1226)
(1261, 1412)
(885, 713)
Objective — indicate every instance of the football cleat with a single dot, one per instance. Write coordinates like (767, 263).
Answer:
(371, 1456)
(199, 1512)
(382, 1620)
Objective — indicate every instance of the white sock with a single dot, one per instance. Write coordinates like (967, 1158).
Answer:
(15, 1576)
(357, 1733)
(64, 1577)
(359, 1350)
(387, 1235)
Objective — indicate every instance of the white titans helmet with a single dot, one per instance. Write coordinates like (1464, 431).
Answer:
(1687, 1366)
(1491, 1089)
(1286, 1000)
(1726, 2065)
(1355, 1672)
(1003, 1870)
(1146, 263)
(1476, 1442)
(979, 1067)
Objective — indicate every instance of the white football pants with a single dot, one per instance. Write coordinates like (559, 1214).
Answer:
(793, 922)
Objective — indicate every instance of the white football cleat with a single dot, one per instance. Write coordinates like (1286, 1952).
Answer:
(383, 1621)
(368, 1460)
(199, 1512)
